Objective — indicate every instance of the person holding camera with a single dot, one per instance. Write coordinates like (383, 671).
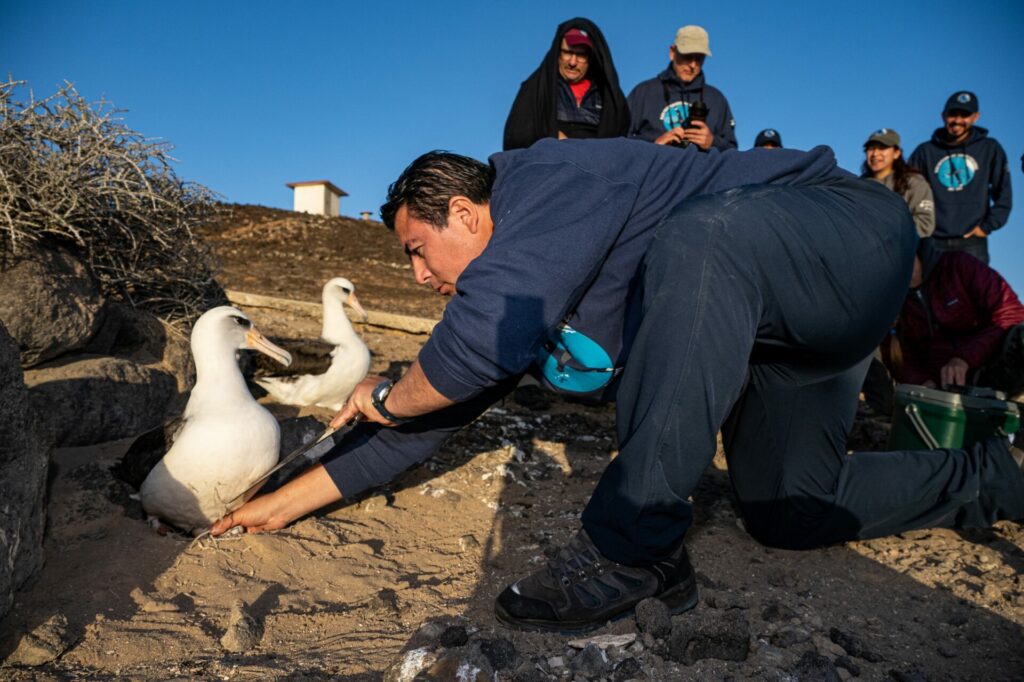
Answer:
(677, 107)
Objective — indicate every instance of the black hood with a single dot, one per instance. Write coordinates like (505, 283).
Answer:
(941, 137)
(534, 111)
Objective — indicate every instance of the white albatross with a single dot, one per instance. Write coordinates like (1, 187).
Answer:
(349, 357)
(226, 439)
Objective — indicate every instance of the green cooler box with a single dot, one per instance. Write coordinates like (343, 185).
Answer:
(928, 418)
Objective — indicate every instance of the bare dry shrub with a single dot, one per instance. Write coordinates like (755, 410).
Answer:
(72, 173)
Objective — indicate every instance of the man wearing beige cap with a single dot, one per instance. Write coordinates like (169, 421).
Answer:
(670, 108)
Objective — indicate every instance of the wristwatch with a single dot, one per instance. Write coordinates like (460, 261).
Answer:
(379, 395)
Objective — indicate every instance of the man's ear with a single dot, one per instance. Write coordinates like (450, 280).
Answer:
(672, 53)
(463, 211)
(975, 116)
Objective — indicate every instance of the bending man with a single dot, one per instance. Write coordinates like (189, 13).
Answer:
(737, 291)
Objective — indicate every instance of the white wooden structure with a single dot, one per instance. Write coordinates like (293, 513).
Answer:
(319, 197)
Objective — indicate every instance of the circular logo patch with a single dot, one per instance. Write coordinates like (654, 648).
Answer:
(674, 114)
(956, 171)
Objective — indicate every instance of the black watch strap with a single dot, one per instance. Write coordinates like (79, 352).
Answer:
(379, 395)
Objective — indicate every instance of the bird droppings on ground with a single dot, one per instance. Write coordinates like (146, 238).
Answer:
(351, 593)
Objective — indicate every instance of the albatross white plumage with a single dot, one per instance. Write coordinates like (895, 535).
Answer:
(226, 439)
(349, 357)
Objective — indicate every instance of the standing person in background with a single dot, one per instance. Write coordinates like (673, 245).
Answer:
(660, 108)
(768, 138)
(970, 178)
(574, 93)
(884, 163)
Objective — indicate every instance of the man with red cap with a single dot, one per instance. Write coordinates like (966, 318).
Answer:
(574, 93)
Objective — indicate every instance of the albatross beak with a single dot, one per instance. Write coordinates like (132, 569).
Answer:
(256, 341)
(356, 306)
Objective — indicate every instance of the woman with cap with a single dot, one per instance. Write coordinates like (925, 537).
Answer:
(573, 93)
(884, 163)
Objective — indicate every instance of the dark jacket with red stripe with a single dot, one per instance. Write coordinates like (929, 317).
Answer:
(961, 310)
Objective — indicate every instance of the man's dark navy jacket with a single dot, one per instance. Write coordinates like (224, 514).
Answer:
(572, 221)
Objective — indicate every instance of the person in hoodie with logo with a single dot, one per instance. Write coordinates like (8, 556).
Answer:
(970, 178)
(574, 93)
(660, 108)
(740, 293)
(961, 324)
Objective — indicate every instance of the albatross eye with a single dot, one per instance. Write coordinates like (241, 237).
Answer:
(241, 321)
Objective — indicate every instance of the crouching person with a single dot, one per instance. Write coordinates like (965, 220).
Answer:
(703, 291)
(960, 323)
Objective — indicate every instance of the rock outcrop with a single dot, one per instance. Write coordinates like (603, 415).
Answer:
(24, 458)
(49, 303)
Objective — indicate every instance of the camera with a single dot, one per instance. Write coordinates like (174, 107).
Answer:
(698, 112)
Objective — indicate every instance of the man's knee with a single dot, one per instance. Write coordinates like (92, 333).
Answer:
(796, 523)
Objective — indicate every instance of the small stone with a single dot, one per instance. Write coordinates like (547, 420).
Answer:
(850, 643)
(591, 662)
(556, 662)
(627, 669)
(604, 642)
(44, 644)
(529, 672)
(468, 543)
(453, 636)
(912, 675)
(653, 616)
(947, 651)
(847, 663)
(724, 635)
(788, 635)
(648, 640)
(814, 666)
(499, 651)
(243, 631)
(775, 611)
(386, 602)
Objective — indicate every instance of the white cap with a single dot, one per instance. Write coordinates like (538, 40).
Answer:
(692, 40)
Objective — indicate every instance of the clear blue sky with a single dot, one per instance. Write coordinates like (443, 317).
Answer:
(256, 94)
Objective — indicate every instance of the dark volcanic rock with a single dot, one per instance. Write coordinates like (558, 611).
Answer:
(500, 652)
(24, 461)
(853, 645)
(813, 667)
(653, 616)
(788, 635)
(49, 303)
(627, 669)
(709, 634)
(591, 662)
(93, 399)
(453, 636)
(775, 611)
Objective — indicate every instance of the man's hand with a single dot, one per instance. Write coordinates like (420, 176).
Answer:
(257, 515)
(699, 134)
(673, 136)
(976, 232)
(309, 491)
(361, 404)
(954, 372)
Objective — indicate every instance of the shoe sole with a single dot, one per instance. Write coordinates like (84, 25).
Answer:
(678, 599)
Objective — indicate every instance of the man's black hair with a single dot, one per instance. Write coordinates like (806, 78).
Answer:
(427, 185)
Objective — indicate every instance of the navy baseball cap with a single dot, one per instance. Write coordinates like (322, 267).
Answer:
(768, 136)
(962, 100)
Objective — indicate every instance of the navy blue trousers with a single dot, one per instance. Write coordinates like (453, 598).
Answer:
(761, 309)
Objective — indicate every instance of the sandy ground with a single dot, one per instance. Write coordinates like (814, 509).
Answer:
(338, 594)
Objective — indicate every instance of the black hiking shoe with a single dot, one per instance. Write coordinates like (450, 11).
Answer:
(580, 590)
